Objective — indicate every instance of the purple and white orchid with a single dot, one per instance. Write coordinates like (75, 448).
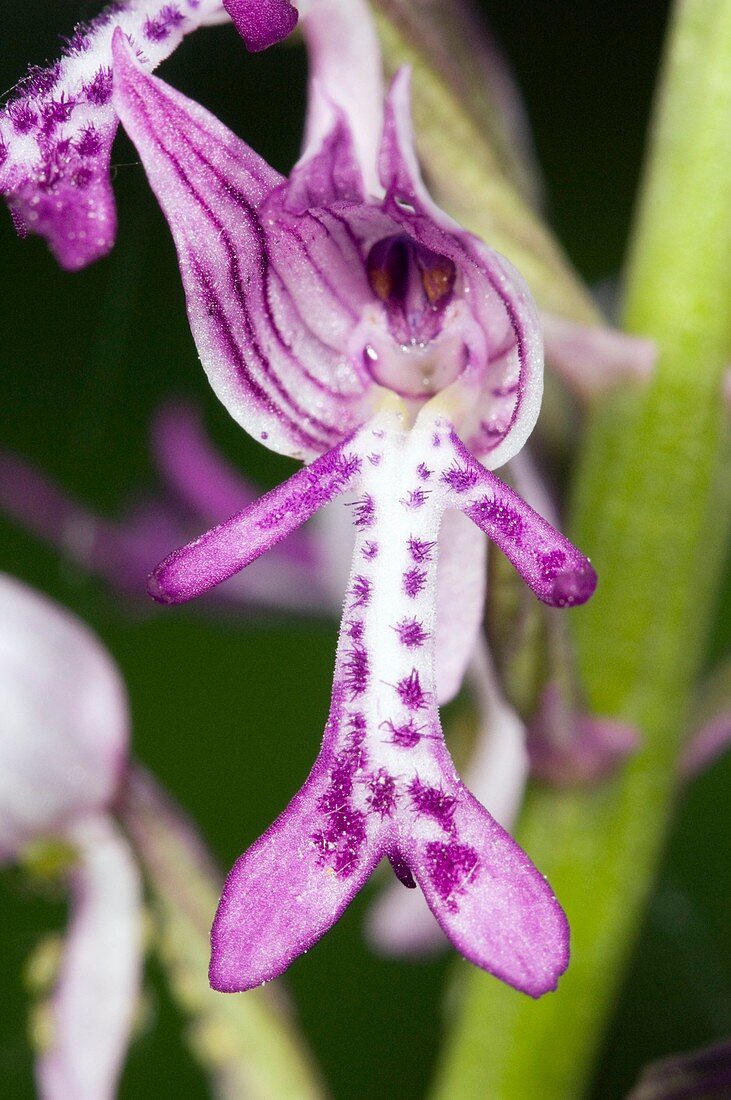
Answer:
(342, 318)
(63, 751)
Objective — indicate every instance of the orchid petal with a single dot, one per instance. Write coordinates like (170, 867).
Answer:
(64, 718)
(345, 80)
(461, 585)
(551, 566)
(692, 1075)
(330, 174)
(569, 748)
(224, 550)
(261, 23)
(299, 577)
(498, 770)
(594, 359)
(93, 1005)
(249, 282)
(706, 745)
(121, 553)
(509, 387)
(56, 135)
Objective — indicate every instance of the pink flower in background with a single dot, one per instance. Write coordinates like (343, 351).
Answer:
(63, 752)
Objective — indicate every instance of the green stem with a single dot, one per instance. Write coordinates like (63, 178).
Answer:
(247, 1043)
(650, 511)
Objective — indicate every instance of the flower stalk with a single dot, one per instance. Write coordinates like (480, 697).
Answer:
(248, 1046)
(652, 509)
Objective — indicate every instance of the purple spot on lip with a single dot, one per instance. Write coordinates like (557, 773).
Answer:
(356, 670)
(361, 591)
(411, 693)
(364, 514)
(415, 498)
(22, 117)
(451, 867)
(420, 550)
(490, 511)
(99, 89)
(88, 143)
(382, 792)
(460, 479)
(411, 633)
(414, 580)
(433, 802)
(369, 550)
(339, 843)
(158, 28)
(423, 471)
(406, 736)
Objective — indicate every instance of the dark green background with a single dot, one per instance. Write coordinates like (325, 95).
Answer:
(229, 713)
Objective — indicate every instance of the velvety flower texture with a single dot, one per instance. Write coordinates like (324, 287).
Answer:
(57, 130)
(344, 320)
(63, 749)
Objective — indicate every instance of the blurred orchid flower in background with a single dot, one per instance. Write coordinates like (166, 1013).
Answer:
(196, 487)
(63, 753)
(308, 299)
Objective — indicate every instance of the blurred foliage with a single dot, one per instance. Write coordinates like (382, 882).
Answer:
(229, 714)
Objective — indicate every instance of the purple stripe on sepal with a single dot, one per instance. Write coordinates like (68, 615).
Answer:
(229, 547)
(262, 23)
(550, 565)
(274, 373)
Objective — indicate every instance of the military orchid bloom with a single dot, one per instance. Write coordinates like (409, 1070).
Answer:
(63, 753)
(344, 320)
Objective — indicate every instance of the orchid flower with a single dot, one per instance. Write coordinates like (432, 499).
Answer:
(344, 320)
(62, 755)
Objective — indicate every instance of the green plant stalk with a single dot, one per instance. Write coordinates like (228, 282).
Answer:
(247, 1043)
(651, 510)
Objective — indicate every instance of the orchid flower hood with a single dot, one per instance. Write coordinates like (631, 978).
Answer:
(63, 748)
